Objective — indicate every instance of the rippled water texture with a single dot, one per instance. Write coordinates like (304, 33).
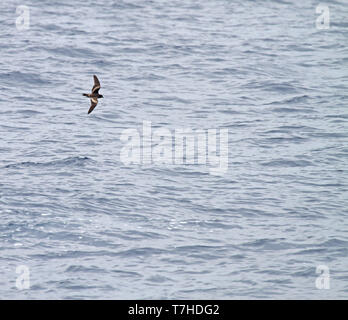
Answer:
(86, 225)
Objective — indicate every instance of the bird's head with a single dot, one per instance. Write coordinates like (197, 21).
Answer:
(101, 96)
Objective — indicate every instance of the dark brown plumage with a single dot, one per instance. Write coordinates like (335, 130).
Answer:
(94, 95)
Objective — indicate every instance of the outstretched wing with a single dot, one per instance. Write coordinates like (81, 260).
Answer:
(96, 86)
(94, 102)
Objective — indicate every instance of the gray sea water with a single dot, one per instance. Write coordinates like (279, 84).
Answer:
(77, 222)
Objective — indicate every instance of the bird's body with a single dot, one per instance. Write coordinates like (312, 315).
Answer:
(94, 95)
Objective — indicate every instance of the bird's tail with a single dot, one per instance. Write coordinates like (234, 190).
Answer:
(85, 94)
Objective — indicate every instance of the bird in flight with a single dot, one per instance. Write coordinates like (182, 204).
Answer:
(94, 95)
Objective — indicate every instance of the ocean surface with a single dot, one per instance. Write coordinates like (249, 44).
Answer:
(77, 221)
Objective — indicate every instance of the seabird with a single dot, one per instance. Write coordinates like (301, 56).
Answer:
(94, 95)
